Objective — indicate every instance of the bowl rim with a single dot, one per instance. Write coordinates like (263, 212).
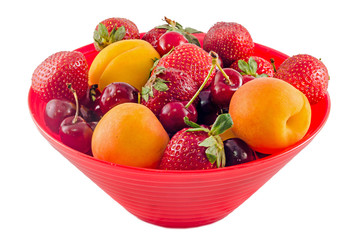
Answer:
(300, 144)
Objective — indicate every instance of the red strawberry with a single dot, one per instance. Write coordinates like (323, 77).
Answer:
(230, 40)
(154, 34)
(198, 147)
(191, 59)
(256, 67)
(50, 78)
(112, 30)
(167, 85)
(306, 73)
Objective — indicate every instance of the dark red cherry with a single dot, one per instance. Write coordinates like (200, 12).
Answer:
(117, 93)
(261, 155)
(93, 124)
(206, 109)
(56, 111)
(76, 133)
(169, 40)
(89, 99)
(238, 152)
(222, 88)
(172, 116)
(247, 78)
(89, 115)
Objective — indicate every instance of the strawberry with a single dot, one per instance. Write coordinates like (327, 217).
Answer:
(112, 30)
(155, 33)
(191, 59)
(256, 67)
(197, 147)
(50, 78)
(306, 73)
(167, 85)
(230, 40)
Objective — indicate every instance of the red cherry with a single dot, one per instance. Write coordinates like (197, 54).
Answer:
(247, 78)
(89, 115)
(76, 133)
(222, 88)
(89, 99)
(172, 116)
(56, 111)
(116, 93)
(168, 41)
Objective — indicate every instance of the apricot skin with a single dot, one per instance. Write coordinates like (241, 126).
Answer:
(269, 114)
(127, 61)
(130, 134)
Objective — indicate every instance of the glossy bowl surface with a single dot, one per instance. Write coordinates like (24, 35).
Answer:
(181, 199)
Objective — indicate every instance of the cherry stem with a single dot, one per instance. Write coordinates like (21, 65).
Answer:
(69, 85)
(273, 64)
(227, 78)
(203, 84)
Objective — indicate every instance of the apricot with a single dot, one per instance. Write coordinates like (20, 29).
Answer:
(269, 114)
(130, 134)
(127, 61)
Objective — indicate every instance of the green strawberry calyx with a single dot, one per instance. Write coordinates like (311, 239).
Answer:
(102, 38)
(154, 82)
(171, 25)
(250, 68)
(214, 145)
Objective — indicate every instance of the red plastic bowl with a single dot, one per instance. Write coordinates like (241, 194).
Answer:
(181, 198)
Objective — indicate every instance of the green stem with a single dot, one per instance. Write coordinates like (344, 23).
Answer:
(201, 87)
(228, 81)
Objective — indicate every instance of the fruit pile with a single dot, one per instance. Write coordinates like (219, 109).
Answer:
(176, 98)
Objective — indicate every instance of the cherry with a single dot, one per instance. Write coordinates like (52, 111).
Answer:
(116, 93)
(247, 78)
(93, 124)
(238, 152)
(207, 110)
(91, 96)
(224, 85)
(74, 131)
(172, 116)
(89, 115)
(169, 40)
(261, 155)
(56, 111)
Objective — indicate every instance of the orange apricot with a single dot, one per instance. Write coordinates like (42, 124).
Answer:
(269, 114)
(127, 61)
(130, 134)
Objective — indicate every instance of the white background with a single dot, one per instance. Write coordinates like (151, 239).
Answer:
(316, 196)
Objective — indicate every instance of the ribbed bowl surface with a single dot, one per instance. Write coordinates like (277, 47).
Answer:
(180, 198)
